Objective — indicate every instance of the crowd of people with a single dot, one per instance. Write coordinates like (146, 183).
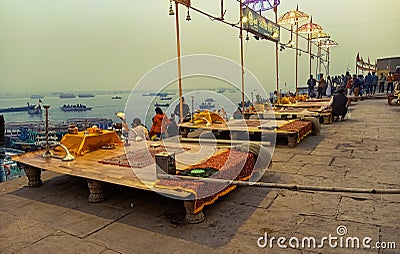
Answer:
(356, 85)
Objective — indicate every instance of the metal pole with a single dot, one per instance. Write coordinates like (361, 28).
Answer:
(192, 110)
(277, 56)
(47, 125)
(178, 48)
(222, 9)
(297, 58)
(309, 50)
(328, 61)
(241, 53)
(319, 56)
(47, 153)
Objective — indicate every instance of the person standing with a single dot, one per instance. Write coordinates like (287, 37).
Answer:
(368, 83)
(321, 85)
(356, 85)
(311, 86)
(185, 109)
(349, 85)
(362, 84)
(374, 83)
(160, 123)
(389, 81)
(329, 86)
(382, 80)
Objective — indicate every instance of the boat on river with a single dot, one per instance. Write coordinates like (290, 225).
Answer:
(35, 111)
(37, 96)
(17, 109)
(67, 95)
(75, 108)
(208, 103)
(86, 95)
(161, 104)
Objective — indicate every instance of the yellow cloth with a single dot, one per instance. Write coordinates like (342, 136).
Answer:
(80, 143)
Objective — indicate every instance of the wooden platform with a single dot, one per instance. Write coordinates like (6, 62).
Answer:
(323, 116)
(88, 167)
(250, 130)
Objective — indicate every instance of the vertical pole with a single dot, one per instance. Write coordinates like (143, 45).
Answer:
(297, 58)
(319, 57)
(241, 52)
(327, 52)
(178, 48)
(277, 56)
(222, 9)
(309, 51)
(47, 127)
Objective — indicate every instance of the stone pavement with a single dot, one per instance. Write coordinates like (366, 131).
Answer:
(359, 153)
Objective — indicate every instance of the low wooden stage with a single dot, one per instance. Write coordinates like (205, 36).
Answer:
(110, 165)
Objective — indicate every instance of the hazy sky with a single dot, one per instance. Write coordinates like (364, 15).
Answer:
(54, 45)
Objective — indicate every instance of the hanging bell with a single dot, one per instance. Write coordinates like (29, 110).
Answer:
(188, 18)
(171, 10)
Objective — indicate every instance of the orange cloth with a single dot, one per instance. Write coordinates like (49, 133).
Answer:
(160, 123)
(81, 143)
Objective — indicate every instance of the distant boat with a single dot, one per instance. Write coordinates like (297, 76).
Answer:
(17, 109)
(161, 104)
(67, 95)
(166, 98)
(86, 95)
(116, 98)
(75, 108)
(161, 94)
(35, 111)
(37, 96)
(208, 103)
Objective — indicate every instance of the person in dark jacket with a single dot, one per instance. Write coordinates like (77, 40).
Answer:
(185, 109)
(311, 83)
(368, 83)
(374, 83)
(339, 104)
(172, 129)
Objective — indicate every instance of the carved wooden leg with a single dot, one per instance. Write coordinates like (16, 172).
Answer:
(190, 216)
(292, 140)
(96, 191)
(34, 176)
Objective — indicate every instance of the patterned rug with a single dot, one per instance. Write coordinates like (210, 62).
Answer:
(142, 157)
(232, 165)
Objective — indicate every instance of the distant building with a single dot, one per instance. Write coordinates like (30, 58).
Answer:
(386, 65)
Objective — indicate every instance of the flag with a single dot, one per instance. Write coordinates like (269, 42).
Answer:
(358, 57)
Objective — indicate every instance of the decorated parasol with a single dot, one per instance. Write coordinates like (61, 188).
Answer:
(310, 28)
(328, 43)
(319, 37)
(293, 18)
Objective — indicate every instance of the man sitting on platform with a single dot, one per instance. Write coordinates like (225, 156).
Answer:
(339, 104)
